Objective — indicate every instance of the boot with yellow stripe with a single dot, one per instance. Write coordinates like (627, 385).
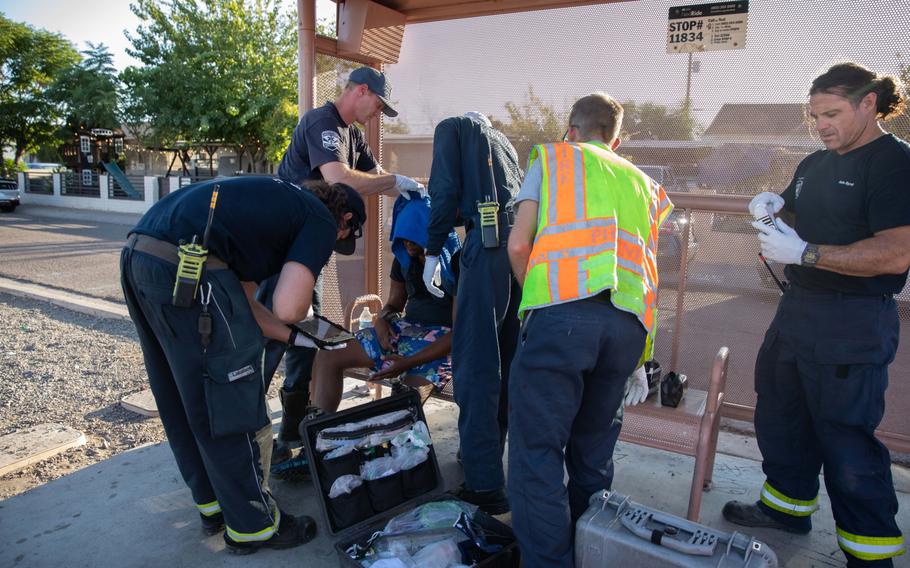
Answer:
(289, 531)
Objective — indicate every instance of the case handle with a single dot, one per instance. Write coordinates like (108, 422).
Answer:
(636, 521)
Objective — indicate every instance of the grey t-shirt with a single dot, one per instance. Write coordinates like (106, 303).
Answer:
(530, 187)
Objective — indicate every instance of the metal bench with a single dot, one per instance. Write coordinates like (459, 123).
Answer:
(690, 429)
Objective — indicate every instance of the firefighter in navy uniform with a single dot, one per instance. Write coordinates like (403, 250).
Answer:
(202, 339)
(327, 145)
(822, 369)
(475, 170)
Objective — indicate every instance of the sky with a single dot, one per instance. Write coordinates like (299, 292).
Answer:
(450, 67)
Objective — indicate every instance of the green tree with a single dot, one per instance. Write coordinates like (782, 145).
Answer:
(651, 121)
(88, 92)
(530, 122)
(30, 62)
(212, 72)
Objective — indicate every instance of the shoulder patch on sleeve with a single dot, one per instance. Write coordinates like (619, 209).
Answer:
(330, 140)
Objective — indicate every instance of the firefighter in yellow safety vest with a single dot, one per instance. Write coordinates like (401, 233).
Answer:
(584, 247)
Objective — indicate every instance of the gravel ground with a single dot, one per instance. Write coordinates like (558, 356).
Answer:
(62, 366)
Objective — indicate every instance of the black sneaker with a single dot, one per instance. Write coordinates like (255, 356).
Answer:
(292, 531)
(492, 502)
(752, 515)
(212, 524)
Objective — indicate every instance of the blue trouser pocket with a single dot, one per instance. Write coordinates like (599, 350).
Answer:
(235, 391)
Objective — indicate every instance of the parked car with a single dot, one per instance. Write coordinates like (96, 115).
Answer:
(669, 244)
(9, 195)
(665, 176)
(671, 232)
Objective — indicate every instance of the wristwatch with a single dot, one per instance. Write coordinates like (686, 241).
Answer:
(810, 255)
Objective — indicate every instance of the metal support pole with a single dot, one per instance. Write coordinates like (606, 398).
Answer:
(681, 289)
(689, 83)
(373, 230)
(306, 54)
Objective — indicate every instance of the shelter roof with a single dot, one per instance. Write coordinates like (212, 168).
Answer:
(750, 120)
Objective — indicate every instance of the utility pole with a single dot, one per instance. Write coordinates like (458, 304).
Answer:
(689, 82)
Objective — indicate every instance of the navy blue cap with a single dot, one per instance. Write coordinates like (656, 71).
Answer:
(378, 85)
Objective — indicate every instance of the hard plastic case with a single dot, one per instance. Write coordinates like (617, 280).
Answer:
(360, 531)
(615, 531)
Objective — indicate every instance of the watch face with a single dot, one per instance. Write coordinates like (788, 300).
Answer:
(810, 255)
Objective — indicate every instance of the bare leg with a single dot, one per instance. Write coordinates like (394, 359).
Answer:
(328, 374)
(423, 386)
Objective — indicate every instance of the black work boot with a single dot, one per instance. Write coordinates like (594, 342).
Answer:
(212, 524)
(752, 515)
(294, 409)
(292, 531)
(492, 502)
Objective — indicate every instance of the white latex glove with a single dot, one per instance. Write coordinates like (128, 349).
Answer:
(758, 207)
(637, 387)
(404, 184)
(432, 276)
(782, 244)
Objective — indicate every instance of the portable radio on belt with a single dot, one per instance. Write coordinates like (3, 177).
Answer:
(489, 213)
(192, 258)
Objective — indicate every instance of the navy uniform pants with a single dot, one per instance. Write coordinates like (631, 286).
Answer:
(821, 376)
(211, 404)
(566, 388)
(482, 347)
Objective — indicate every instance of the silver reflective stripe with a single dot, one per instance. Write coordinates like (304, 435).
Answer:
(556, 255)
(551, 192)
(630, 238)
(579, 159)
(878, 550)
(209, 509)
(631, 266)
(553, 275)
(576, 226)
(785, 506)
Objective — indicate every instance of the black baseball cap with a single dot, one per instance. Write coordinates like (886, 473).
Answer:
(358, 210)
(378, 84)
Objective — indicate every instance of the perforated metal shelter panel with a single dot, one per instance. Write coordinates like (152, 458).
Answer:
(714, 123)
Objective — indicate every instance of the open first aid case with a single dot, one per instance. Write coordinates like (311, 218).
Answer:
(382, 495)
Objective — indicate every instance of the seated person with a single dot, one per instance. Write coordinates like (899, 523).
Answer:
(416, 344)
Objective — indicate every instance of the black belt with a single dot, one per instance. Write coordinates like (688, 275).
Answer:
(798, 290)
(168, 251)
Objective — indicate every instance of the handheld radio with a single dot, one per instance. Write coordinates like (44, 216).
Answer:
(489, 213)
(192, 259)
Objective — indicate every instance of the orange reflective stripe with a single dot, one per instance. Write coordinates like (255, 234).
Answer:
(567, 281)
(564, 193)
(629, 252)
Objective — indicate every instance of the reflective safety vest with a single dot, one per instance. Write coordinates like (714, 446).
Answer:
(597, 228)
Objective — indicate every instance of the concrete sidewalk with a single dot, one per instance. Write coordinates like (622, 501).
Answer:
(134, 510)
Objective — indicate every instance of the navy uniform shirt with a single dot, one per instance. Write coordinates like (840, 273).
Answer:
(321, 137)
(421, 306)
(842, 199)
(460, 175)
(260, 223)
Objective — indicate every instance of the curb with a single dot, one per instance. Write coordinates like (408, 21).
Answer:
(76, 302)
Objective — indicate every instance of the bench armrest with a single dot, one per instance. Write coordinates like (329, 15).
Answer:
(718, 382)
